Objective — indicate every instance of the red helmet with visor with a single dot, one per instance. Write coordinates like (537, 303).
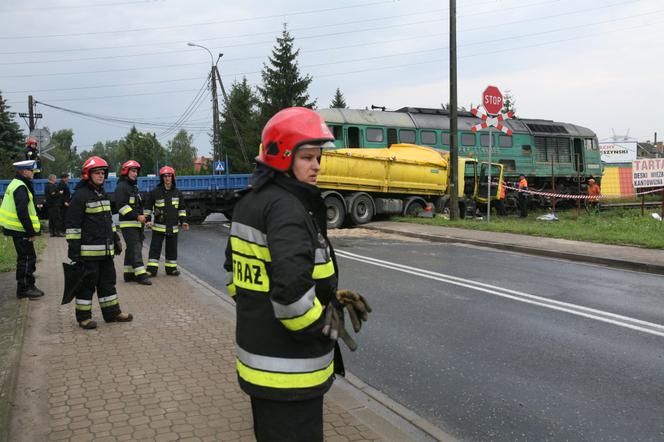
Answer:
(131, 164)
(93, 163)
(288, 130)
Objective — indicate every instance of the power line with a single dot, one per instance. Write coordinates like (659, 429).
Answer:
(87, 5)
(502, 24)
(217, 22)
(482, 42)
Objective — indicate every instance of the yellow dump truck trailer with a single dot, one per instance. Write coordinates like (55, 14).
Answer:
(402, 179)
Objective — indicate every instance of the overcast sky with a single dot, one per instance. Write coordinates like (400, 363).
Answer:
(594, 63)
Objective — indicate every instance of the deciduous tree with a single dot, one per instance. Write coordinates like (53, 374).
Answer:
(182, 153)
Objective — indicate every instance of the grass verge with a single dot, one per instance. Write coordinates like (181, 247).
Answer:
(8, 254)
(621, 227)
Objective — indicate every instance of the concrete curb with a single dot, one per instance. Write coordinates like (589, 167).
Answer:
(9, 377)
(611, 262)
(385, 416)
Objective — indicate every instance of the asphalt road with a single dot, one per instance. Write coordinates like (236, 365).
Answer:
(491, 345)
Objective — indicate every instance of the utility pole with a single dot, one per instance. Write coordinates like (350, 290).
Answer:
(31, 114)
(454, 153)
(215, 117)
(230, 116)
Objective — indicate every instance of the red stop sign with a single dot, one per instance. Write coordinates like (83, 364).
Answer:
(492, 100)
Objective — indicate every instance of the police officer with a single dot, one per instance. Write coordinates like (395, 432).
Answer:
(165, 212)
(18, 217)
(53, 202)
(130, 208)
(65, 198)
(283, 277)
(93, 241)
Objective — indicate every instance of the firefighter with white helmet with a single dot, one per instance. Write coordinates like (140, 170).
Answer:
(283, 278)
(93, 242)
(130, 207)
(165, 212)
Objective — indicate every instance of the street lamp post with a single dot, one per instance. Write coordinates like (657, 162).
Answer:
(216, 154)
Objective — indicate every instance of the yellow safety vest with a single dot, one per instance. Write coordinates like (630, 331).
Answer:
(8, 216)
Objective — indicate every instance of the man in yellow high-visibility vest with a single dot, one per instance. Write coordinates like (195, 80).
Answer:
(18, 218)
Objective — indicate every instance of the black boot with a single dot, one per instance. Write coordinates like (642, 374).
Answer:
(37, 290)
(31, 293)
(175, 272)
(143, 280)
(129, 277)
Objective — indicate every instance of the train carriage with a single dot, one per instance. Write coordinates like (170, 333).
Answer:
(539, 149)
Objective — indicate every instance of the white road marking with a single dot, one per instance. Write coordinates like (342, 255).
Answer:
(578, 310)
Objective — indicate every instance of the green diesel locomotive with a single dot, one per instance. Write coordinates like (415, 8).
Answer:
(546, 152)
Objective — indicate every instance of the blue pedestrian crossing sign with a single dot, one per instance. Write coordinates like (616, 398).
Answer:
(219, 166)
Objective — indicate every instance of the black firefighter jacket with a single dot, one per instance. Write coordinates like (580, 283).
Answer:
(129, 203)
(283, 275)
(166, 209)
(89, 225)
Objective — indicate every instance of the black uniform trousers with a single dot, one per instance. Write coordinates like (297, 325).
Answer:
(26, 260)
(54, 220)
(63, 216)
(102, 281)
(283, 421)
(523, 205)
(133, 259)
(156, 243)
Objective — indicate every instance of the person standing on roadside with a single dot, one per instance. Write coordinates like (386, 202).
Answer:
(93, 241)
(283, 278)
(165, 212)
(594, 195)
(130, 208)
(65, 198)
(18, 217)
(523, 196)
(500, 201)
(53, 202)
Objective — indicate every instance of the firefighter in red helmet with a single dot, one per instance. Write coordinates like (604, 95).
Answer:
(93, 242)
(32, 152)
(165, 212)
(130, 207)
(283, 278)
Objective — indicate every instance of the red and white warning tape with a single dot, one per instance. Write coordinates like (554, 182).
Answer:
(578, 197)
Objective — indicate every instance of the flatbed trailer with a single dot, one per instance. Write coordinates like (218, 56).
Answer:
(203, 194)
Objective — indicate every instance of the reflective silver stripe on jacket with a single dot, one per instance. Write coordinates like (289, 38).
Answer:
(94, 247)
(284, 365)
(322, 255)
(98, 203)
(297, 308)
(248, 233)
(72, 231)
(84, 301)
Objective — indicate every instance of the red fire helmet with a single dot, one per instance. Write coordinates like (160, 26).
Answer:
(131, 164)
(165, 170)
(93, 163)
(288, 130)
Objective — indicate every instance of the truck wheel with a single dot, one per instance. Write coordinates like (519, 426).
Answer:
(361, 209)
(336, 212)
(413, 208)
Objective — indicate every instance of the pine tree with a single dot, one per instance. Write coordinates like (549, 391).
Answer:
(243, 105)
(338, 101)
(11, 140)
(283, 86)
(509, 105)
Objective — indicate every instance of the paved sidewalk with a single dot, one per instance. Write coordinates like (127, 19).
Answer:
(168, 375)
(626, 257)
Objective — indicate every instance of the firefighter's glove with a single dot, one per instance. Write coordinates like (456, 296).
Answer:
(358, 307)
(334, 326)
